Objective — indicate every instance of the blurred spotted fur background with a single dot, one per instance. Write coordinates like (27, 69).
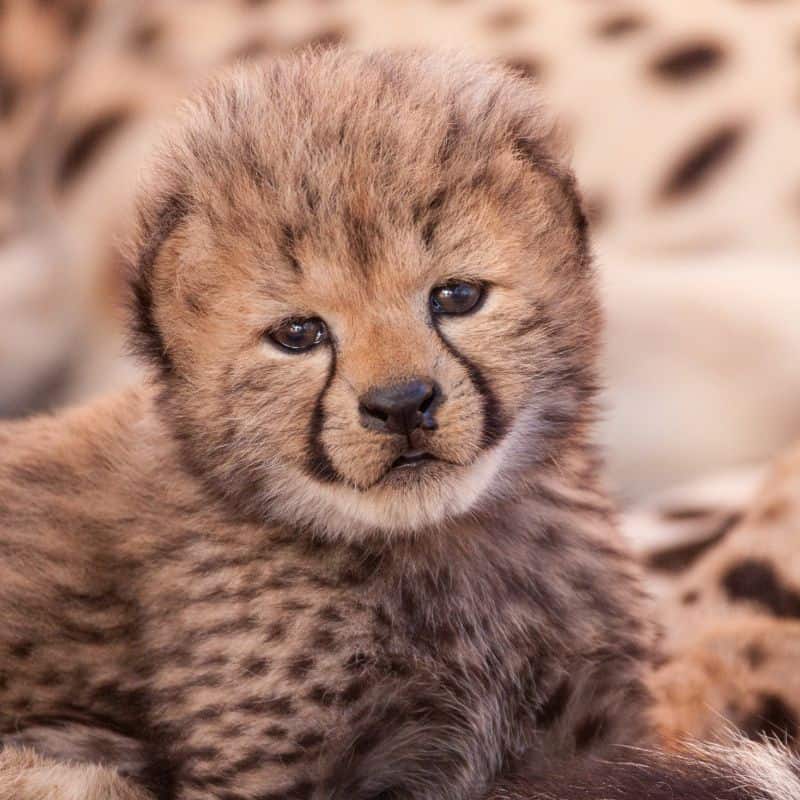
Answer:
(683, 121)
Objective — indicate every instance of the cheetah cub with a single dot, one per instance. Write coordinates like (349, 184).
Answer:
(348, 543)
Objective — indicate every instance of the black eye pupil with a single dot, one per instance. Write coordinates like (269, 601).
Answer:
(456, 298)
(299, 334)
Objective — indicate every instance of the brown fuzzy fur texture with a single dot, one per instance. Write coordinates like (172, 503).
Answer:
(24, 774)
(222, 566)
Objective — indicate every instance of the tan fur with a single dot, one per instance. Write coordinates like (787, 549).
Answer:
(222, 566)
(23, 774)
(722, 562)
(216, 581)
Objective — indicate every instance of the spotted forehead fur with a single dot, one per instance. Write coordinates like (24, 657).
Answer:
(341, 153)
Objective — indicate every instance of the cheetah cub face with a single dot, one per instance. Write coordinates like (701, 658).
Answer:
(365, 285)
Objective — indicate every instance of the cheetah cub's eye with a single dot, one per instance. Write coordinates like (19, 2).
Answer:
(298, 335)
(456, 298)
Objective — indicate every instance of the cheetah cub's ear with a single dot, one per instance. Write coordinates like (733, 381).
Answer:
(364, 287)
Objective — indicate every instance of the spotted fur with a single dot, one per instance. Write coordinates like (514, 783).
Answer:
(191, 603)
(724, 568)
(265, 630)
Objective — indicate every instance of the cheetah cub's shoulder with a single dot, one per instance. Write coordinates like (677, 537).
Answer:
(348, 542)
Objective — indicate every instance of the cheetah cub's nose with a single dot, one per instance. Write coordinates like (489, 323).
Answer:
(402, 407)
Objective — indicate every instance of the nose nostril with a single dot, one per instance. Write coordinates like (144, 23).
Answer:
(373, 411)
(425, 405)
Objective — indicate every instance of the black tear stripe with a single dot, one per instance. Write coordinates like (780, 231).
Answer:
(319, 464)
(494, 426)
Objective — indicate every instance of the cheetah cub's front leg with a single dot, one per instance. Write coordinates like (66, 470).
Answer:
(25, 775)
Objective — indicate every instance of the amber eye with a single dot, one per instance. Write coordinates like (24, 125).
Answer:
(299, 334)
(456, 298)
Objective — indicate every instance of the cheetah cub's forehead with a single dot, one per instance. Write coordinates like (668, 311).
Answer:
(365, 288)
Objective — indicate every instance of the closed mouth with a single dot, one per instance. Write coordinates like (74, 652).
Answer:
(412, 458)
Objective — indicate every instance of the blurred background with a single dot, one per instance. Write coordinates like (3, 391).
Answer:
(683, 124)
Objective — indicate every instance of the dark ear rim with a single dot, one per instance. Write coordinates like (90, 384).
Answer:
(534, 152)
(146, 338)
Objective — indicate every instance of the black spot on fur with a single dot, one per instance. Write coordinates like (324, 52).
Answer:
(755, 655)
(145, 36)
(677, 559)
(293, 606)
(329, 613)
(357, 662)
(22, 649)
(322, 695)
(254, 47)
(276, 705)
(504, 20)
(287, 757)
(299, 666)
(275, 631)
(310, 739)
(696, 167)
(322, 639)
(774, 718)
(688, 61)
(76, 17)
(686, 514)
(276, 731)
(207, 714)
(353, 691)
(690, 598)
(619, 25)
(9, 95)
(756, 581)
(88, 143)
(227, 627)
(525, 66)
(256, 665)
(331, 37)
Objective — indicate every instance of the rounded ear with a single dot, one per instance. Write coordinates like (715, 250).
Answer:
(557, 139)
(157, 222)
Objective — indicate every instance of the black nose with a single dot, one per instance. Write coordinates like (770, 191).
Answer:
(400, 408)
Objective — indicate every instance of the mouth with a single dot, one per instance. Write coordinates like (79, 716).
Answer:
(412, 459)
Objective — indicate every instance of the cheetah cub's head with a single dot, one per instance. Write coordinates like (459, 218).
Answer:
(365, 285)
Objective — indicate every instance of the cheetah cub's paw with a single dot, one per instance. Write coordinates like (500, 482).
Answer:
(24, 775)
